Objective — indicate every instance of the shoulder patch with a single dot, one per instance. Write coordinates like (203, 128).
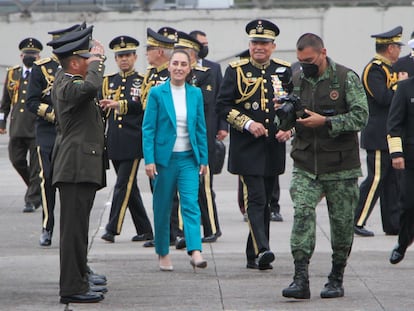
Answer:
(240, 62)
(201, 68)
(43, 61)
(13, 68)
(281, 62)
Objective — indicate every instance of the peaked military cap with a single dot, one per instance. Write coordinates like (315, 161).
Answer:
(123, 45)
(156, 39)
(71, 36)
(262, 30)
(58, 33)
(168, 32)
(30, 45)
(389, 37)
(79, 47)
(187, 41)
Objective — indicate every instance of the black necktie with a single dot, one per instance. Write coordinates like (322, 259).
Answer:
(27, 74)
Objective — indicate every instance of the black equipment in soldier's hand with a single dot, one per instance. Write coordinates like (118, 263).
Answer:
(290, 110)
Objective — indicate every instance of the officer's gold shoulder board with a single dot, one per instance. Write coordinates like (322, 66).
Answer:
(238, 63)
(43, 61)
(140, 76)
(13, 68)
(377, 62)
(281, 62)
(201, 68)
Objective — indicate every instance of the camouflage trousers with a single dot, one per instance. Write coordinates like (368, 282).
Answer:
(341, 197)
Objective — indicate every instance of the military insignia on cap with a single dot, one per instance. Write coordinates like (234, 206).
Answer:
(122, 44)
(255, 105)
(247, 106)
(259, 27)
(334, 95)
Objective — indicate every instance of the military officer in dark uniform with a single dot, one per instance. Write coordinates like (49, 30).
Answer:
(380, 82)
(40, 103)
(246, 102)
(78, 159)
(406, 63)
(203, 78)
(121, 101)
(400, 135)
(22, 123)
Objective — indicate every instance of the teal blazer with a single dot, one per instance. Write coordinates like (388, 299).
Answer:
(159, 129)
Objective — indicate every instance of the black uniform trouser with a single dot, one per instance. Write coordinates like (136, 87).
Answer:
(274, 200)
(207, 202)
(127, 195)
(382, 181)
(257, 191)
(19, 147)
(76, 201)
(47, 189)
(406, 233)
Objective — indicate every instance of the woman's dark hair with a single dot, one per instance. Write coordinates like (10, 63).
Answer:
(189, 77)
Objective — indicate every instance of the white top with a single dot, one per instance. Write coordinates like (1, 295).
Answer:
(182, 143)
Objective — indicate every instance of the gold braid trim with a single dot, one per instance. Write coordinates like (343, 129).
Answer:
(123, 107)
(392, 79)
(13, 89)
(49, 79)
(145, 88)
(245, 94)
(394, 144)
(237, 119)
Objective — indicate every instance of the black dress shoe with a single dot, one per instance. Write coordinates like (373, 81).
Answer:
(180, 243)
(96, 280)
(45, 238)
(254, 265)
(359, 230)
(265, 258)
(149, 244)
(274, 216)
(397, 255)
(97, 289)
(109, 237)
(142, 237)
(90, 272)
(29, 208)
(88, 297)
(209, 239)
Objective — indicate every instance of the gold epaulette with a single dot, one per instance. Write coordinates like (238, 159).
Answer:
(281, 62)
(239, 63)
(13, 68)
(377, 62)
(141, 76)
(201, 68)
(43, 61)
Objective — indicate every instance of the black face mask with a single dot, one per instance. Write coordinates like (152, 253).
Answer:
(203, 52)
(28, 60)
(309, 70)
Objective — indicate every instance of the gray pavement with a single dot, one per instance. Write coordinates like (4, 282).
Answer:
(29, 274)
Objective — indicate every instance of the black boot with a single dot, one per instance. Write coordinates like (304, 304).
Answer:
(334, 288)
(299, 288)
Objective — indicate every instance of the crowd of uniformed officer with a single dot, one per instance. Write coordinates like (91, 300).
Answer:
(245, 99)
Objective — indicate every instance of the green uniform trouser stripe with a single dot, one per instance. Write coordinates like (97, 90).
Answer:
(342, 198)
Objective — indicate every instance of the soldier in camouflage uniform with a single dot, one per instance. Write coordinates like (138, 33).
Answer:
(245, 101)
(325, 152)
(22, 123)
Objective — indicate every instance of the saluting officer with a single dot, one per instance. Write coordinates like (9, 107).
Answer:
(22, 123)
(40, 103)
(246, 101)
(121, 100)
(380, 82)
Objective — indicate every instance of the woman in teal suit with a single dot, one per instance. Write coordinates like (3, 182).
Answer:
(175, 153)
